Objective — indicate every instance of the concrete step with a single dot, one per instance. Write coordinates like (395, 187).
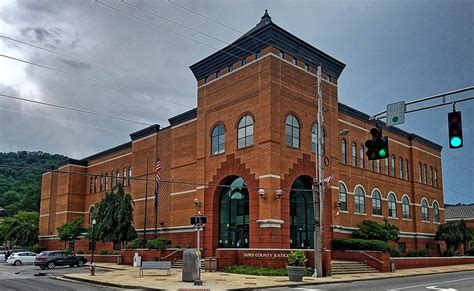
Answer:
(350, 267)
(179, 264)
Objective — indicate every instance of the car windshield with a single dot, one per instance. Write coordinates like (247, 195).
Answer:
(43, 254)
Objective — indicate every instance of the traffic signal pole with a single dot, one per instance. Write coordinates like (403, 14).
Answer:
(318, 196)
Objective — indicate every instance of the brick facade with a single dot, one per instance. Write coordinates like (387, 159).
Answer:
(268, 88)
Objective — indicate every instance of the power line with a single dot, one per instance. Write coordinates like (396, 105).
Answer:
(94, 80)
(164, 28)
(74, 109)
(95, 64)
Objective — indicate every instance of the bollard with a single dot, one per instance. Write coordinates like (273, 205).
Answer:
(92, 269)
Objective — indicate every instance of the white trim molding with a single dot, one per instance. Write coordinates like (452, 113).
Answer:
(349, 230)
(74, 212)
(171, 229)
(183, 192)
(108, 160)
(270, 223)
(269, 176)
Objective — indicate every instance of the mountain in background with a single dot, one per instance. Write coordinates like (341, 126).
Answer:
(20, 179)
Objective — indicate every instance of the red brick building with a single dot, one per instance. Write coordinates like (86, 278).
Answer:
(247, 154)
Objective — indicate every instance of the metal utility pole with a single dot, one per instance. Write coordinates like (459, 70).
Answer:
(146, 200)
(317, 185)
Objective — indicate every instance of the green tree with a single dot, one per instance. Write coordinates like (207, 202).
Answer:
(372, 230)
(5, 229)
(23, 228)
(70, 231)
(114, 217)
(454, 233)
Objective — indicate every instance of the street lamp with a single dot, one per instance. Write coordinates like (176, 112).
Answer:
(93, 240)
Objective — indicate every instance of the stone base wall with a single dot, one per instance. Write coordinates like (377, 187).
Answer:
(411, 263)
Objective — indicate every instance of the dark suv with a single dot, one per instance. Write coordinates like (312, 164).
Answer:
(51, 259)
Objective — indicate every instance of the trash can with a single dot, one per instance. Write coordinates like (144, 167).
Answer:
(190, 271)
(392, 267)
(119, 260)
(210, 264)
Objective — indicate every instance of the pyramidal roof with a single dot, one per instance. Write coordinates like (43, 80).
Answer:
(266, 33)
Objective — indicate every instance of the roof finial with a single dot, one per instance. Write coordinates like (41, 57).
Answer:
(265, 18)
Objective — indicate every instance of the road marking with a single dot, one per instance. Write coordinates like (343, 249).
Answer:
(441, 289)
(431, 284)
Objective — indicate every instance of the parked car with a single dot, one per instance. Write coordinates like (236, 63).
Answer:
(21, 258)
(3, 256)
(51, 259)
(12, 251)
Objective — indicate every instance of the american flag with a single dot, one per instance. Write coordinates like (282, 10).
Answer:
(157, 179)
(328, 179)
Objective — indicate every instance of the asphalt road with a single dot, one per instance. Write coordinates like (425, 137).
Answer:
(23, 278)
(447, 282)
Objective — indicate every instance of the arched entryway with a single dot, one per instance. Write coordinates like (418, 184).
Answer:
(234, 215)
(301, 214)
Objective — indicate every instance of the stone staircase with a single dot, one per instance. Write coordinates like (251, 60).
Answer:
(178, 264)
(350, 267)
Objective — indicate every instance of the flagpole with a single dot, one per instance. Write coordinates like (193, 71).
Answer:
(156, 202)
(146, 200)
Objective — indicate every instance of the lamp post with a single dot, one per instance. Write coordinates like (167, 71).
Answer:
(93, 240)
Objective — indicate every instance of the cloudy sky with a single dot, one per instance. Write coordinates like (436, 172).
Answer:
(394, 50)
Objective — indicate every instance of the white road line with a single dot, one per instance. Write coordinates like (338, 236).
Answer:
(434, 283)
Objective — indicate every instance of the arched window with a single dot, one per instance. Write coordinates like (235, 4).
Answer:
(101, 184)
(386, 166)
(359, 196)
(125, 176)
(420, 174)
(376, 203)
(431, 176)
(405, 207)
(407, 172)
(301, 215)
(106, 181)
(436, 178)
(245, 132)
(424, 210)
(400, 170)
(424, 174)
(292, 131)
(392, 205)
(342, 197)
(436, 212)
(118, 177)
(218, 139)
(112, 179)
(361, 156)
(393, 165)
(234, 215)
(354, 154)
(377, 166)
(130, 176)
(343, 151)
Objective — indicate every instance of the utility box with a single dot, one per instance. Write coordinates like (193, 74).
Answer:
(210, 264)
(190, 266)
(137, 260)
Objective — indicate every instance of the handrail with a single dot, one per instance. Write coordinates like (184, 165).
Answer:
(372, 257)
(180, 250)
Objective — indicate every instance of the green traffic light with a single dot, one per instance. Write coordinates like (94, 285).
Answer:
(455, 141)
(382, 153)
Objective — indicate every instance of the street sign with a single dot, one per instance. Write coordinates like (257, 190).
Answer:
(396, 113)
(198, 219)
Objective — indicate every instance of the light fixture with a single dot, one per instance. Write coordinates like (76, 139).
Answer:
(261, 193)
(278, 194)
(94, 221)
(196, 202)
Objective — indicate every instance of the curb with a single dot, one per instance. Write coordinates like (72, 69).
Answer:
(67, 277)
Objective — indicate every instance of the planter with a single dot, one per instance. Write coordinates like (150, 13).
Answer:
(296, 273)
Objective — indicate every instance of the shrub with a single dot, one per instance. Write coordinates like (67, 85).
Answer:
(103, 252)
(394, 252)
(343, 244)
(135, 244)
(36, 248)
(79, 252)
(158, 244)
(469, 252)
(450, 252)
(296, 258)
(258, 271)
(371, 230)
(418, 253)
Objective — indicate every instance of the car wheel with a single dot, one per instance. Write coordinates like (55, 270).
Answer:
(80, 263)
(42, 267)
(51, 265)
(17, 263)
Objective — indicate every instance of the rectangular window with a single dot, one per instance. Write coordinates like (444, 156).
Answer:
(206, 79)
(243, 62)
(371, 165)
(130, 176)
(218, 74)
(377, 166)
(106, 181)
(402, 247)
(407, 175)
(377, 206)
(400, 170)
(306, 67)
(230, 68)
(282, 55)
(101, 183)
(91, 186)
(258, 54)
(95, 184)
(295, 61)
(386, 166)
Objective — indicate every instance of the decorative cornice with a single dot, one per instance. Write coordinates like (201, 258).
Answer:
(145, 132)
(183, 117)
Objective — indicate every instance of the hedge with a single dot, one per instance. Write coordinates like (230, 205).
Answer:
(343, 244)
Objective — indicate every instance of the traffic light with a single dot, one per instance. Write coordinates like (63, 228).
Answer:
(455, 129)
(377, 147)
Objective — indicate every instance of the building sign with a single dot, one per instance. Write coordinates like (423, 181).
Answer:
(266, 255)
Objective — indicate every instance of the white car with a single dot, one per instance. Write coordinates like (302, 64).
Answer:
(21, 258)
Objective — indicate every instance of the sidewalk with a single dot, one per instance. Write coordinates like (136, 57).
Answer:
(127, 277)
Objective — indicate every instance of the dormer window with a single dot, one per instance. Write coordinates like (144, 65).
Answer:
(230, 68)
(282, 55)
(206, 79)
(295, 61)
(244, 61)
(258, 54)
(306, 67)
(218, 74)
